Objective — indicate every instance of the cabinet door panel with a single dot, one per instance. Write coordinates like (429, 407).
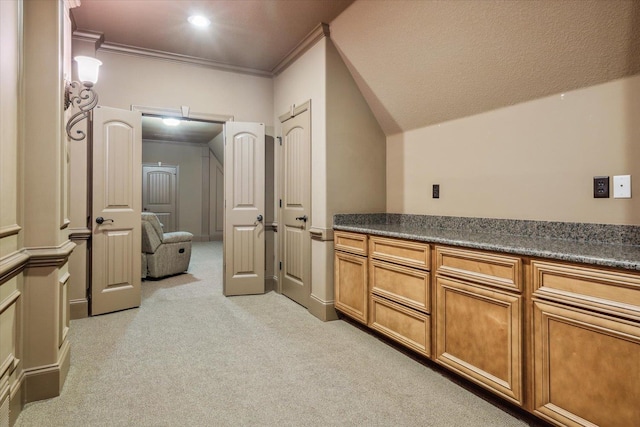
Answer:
(586, 367)
(479, 335)
(350, 281)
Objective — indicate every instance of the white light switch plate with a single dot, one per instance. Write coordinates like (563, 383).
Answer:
(622, 187)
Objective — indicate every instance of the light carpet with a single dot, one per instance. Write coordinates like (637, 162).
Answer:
(191, 357)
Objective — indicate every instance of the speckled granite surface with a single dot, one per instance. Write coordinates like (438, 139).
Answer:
(597, 244)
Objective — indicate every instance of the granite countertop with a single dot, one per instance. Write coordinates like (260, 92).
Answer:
(617, 253)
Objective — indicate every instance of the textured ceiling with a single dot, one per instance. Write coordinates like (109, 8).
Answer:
(417, 62)
(253, 34)
(424, 62)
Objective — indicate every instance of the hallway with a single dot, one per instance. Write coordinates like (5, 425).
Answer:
(191, 357)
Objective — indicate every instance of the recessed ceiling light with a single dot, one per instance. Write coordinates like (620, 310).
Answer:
(171, 122)
(199, 21)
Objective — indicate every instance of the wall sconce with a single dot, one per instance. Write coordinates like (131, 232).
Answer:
(82, 94)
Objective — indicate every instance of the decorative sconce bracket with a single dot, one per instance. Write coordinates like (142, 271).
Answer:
(85, 98)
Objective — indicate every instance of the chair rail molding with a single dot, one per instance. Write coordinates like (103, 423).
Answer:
(54, 256)
(12, 265)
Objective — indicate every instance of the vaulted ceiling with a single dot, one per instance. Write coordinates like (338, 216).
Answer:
(417, 62)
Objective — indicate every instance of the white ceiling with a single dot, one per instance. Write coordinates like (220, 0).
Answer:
(417, 62)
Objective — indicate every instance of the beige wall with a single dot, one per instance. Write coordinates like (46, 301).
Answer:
(305, 80)
(11, 286)
(535, 160)
(34, 204)
(188, 158)
(356, 146)
(127, 80)
(347, 151)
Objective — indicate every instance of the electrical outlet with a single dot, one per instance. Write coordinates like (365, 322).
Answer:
(600, 187)
(436, 191)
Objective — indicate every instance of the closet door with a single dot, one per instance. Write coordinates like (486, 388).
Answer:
(296, 205)
(244, 193)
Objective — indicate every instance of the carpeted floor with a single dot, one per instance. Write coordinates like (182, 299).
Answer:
(191, 357)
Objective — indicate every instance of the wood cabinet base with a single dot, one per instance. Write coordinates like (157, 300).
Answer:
(586, 367)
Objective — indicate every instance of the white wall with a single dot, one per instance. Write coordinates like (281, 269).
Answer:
(534, 160)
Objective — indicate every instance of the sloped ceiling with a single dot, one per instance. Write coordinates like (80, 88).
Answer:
(424, 62)
(417, 62)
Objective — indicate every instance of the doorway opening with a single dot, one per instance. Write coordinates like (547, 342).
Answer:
(183, 172)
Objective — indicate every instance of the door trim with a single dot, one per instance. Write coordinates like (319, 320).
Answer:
(178, 112)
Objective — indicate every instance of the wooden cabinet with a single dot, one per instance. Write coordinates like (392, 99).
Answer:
(478, 323)
(350, 275)
(400, 288)
(586, 345)
(561, 340)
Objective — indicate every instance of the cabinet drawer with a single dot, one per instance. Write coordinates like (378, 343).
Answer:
(406, 326)
(487, 269)
(614, 292)
(410, 254)
(350, 281)
(407, 286)
(350, 242)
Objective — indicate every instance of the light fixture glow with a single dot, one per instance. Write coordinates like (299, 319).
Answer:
(88, 68)
(171, 121)
(81, 94)
(199, 21)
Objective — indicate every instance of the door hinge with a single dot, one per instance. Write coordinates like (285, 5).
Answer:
(280, 265)
(279, 139)
(280, 202)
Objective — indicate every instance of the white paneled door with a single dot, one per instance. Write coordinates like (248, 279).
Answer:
(160, 194)
(296, 206)
(116, 205)
(244, 190)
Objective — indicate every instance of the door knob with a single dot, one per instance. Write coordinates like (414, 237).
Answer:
(259, 218)
(100, 220)
(302, 218)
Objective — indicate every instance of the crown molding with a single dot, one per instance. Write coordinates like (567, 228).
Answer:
(175, 57)
(319, 32)
(71, 3)
(94, 37)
